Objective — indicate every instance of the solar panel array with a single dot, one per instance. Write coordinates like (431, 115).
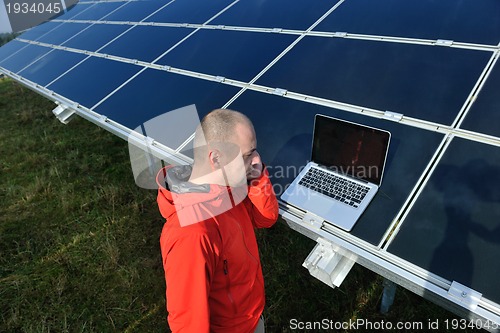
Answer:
(425, 70)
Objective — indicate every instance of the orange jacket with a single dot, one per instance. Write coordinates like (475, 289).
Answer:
(212, 266)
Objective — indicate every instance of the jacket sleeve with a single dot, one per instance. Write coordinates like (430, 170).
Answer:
(189, 265)
(263, 205)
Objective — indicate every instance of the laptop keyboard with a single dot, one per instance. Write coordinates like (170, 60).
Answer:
(338, 188)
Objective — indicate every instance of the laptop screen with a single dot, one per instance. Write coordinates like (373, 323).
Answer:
(349, 148)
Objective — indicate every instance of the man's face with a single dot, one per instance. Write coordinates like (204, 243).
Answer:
(239, 159)
(247, 141)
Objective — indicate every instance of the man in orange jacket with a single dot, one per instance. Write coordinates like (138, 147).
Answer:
(210, 256)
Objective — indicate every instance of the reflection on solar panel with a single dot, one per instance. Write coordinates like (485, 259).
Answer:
(425, 70)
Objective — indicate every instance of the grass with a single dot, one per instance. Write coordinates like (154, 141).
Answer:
(79, 245)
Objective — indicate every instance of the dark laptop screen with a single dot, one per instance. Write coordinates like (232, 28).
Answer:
(350, 148)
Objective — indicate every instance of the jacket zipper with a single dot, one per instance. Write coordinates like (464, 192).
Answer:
(246, 247)
(245, 243)
(228, 285)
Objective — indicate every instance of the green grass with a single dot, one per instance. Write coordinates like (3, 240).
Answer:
(79, 245)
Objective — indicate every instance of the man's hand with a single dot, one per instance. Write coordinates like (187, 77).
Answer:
(255, 168)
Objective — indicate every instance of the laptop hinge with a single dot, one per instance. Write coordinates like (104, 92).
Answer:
(468, 297)
(313, 220)
(354, 178)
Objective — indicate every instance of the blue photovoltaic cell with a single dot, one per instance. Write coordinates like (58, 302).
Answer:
(232, 54)
(95, 36)
(63, 33)
(426, 82)
(99, 11)
(463, 21)
(155, 92)
(284, 135)
(40, 30)
(24, 57)
(484, 116)
(51, 66)
(93, 80)
(74, 12)
(297, 15)
(146, 49)
(189, 11)
(135, 11)
(10, 49)
(454, 230)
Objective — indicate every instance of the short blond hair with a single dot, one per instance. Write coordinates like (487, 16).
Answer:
(218, 125)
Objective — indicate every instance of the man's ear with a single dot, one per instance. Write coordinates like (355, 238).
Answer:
(214, 156)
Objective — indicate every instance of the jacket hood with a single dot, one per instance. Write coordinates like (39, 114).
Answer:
(192, 202)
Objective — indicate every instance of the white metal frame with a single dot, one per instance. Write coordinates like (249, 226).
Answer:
(374, 257)
(399, 271)
(382, 114)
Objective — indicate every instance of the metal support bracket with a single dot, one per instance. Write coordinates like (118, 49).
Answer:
(63, 113)
(279, 92)
(327, 264)
(444, 42)
(393, 116)
(468, 297)
(313, 220)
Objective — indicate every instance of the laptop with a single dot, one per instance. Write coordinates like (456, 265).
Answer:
(345, 172)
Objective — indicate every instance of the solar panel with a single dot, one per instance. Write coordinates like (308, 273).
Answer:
(427, 71)
(61, 33)
(8, 50)
(484, 116)
(281, 14)
(146, 49)
(429, 83)
(238, 55)
(189, 11)
(51, 66)
(42, 29)
(454, 222)
(136, 11)
(461, 21)
(92, 80)
(24, 57)
(95, 36)
(96, 11)
(411, 149)
(146, 97)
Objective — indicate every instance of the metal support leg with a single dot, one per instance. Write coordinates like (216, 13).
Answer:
(387, 296)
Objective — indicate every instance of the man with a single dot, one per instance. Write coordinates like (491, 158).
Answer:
(210, 256)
